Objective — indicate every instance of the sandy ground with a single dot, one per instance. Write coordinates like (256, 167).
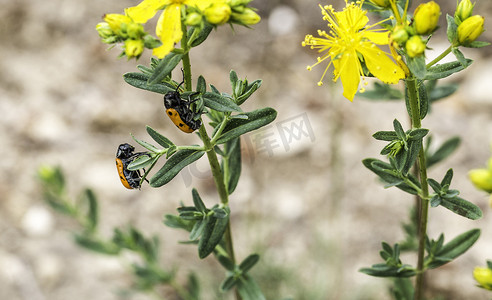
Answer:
(306, 204)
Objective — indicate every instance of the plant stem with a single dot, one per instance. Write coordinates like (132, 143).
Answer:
(424, 201)
(211, 154)
(437, 59)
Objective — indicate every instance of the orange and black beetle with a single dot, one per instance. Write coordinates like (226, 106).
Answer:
(179, 111)
(124, 156)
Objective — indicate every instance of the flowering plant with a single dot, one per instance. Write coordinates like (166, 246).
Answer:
(352, 47)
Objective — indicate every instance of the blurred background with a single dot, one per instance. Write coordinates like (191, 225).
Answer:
(305, 202)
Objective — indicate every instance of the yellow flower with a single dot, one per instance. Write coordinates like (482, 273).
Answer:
(482, 178)
(348, 41)
(484, 277)
(169, 24)
(382, 3)
(426, 17)
(134, 48)
(470, 29)
(464, 10)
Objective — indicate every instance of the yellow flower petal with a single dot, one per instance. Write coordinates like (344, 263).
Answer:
(378, 38)
(145, 10)
(168, 30)
(380, 65)
(347, 68)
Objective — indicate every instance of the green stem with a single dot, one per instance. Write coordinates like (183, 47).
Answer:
(424, 198)
(437, 59)
(211, 155)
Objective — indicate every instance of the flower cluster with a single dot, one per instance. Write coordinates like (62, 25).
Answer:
(118, 28)
(350, 46)
(128, 28)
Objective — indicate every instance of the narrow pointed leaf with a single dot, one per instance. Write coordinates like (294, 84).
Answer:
(446, 69)
(455, 247)
(248, 289)
(219, 103)
(385, 136)
(165, 67)
(212, 235)
(173, 165)
(256, 119)
(140, 81)
(197, 200)
(159, 138)
(462, 207)
(249, 262)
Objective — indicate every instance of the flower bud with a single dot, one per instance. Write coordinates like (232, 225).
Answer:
(104, 30)
(464, 10)
(247, 17)
(483, 276)
(135, 31)
(399, 35)
(116, 22)
(470, 29)
(193, 19)
(415, 46)
(381, 3)
(426, 17)
(133, 48)
(482, 179)
(218, 13)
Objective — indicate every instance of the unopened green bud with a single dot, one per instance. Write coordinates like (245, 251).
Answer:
(381, 3)
(135, 31)
(218, 13)
(470, 29)
(247, 17)
(133, 48)
(104, 30)
(426, 17)
(415, 46)
(193, 19)
(464, 10)
(399, 35)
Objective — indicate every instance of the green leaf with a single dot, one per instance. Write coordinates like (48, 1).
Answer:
(226, 262)
(462, 207)
(146, 145)
(256, 119)
(233, 78)
(212, 235)
(412, 154)
(159, 138)
(177, 222)
(452, 30)
(202, 36)
(140, 81)
(417, 66)
(477, 44)
(434, 185)
(140, 162)
(402, 289)
(447, 178)
(201, 85)
(249, 262)
(399, 130)
(417, 134)
(455, 248)
(446, 69)
(423, 100)
(459, 56)
(382, 91)
(385, 136)
(197, 200)
(228, 283)
(231, 164)
(248, 289)
(173, 165)
(92, 217)
(96, 245)
(197, 230)
(253, 87)
(165, 67)
(383, 270)
(446, 149)
(220, 103)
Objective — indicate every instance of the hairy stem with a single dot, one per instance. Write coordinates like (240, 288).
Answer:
(423, 199)
(211, 154)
